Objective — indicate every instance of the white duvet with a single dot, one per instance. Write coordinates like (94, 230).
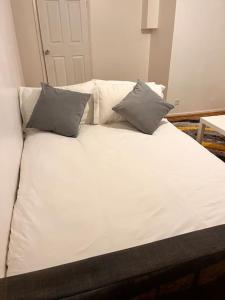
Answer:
(109, 189)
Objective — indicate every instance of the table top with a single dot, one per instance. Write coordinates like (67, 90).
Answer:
(216, 122)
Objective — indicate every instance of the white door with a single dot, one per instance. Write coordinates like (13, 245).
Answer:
(65, 39)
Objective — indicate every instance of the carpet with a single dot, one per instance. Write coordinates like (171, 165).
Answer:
(212, 140)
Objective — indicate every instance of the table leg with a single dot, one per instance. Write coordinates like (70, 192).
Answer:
(200, 133)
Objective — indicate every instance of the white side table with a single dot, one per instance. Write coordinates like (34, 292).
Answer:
(215, 122)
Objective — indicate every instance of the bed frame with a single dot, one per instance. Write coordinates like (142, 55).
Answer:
(189, 266)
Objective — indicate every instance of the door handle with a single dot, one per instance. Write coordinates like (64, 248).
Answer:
(47, 52)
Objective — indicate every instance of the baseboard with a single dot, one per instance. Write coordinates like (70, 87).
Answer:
(195, 114)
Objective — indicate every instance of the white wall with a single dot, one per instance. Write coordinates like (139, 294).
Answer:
(24, 18)
(10, 129)
(161, 43)
(197, 70)
(119, 49)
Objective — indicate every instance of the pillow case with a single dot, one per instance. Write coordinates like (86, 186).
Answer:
(59, 111)
(109, 93)
(143, 108)
(28, 97)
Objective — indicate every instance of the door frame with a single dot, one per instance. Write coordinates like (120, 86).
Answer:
(40, 43)
(39, 39)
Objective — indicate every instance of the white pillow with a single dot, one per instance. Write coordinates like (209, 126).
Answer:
(28, 97)
(109, 93)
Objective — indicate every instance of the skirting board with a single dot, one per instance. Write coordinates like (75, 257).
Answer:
(195, 114)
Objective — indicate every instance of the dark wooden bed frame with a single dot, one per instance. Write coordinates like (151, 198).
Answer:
(189, 266)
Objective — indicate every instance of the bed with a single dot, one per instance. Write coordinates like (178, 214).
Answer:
(116, 214)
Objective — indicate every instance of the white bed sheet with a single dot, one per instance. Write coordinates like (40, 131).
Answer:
(109, 189)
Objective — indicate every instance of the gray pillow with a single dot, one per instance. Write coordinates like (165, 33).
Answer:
(143, 108)
(58, 111)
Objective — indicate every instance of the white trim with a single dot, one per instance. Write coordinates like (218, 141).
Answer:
(40, 45)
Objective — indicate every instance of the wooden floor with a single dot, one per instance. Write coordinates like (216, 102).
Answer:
(194, 116)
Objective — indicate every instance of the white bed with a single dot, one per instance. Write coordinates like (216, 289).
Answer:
(109, 189)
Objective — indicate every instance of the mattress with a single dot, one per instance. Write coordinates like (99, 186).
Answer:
(110, 189)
